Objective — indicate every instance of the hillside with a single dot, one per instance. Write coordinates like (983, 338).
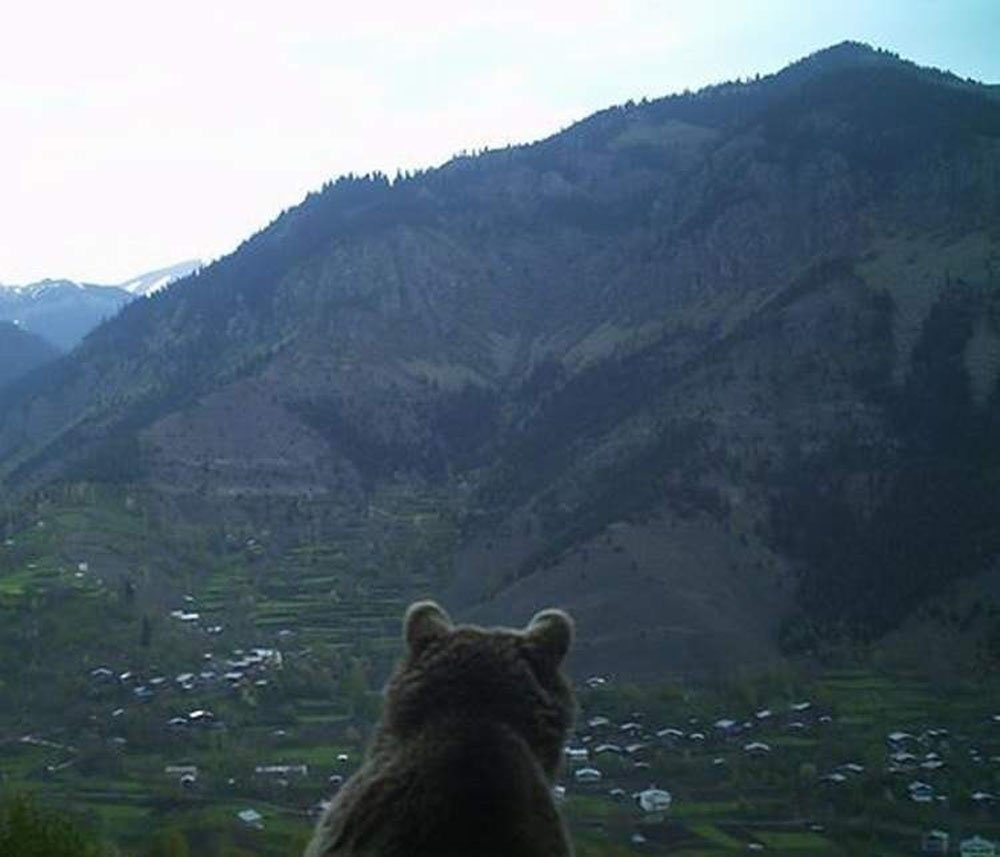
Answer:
(21, 352)
(715, 371)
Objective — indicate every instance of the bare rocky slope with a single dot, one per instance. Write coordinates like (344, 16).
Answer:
(718, 372)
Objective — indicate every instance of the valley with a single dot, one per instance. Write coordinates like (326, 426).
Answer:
(161, 689)
(718, 373)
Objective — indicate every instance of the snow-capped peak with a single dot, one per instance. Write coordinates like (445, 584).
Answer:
(153, 281)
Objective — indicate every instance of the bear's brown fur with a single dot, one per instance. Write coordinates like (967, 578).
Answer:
(463, 762)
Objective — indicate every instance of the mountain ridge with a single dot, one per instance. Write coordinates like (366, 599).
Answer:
(63, 311)
(692, 316)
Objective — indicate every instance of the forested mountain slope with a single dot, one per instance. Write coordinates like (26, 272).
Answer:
(711, 370)
(21, 352)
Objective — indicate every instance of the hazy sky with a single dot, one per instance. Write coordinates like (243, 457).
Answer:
(136, 134)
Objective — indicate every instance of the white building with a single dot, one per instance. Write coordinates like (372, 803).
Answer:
(976, 846)
(655, 800)
(921, 792)
(251, 817)
(588, 775)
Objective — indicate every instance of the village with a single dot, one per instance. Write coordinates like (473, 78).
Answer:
(629, 777)
(616, 758)
(243, 711)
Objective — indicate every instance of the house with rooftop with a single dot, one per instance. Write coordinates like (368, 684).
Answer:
(977, 846)
(251, 818)
(588, 775)
(670, 734)
(726, 726)
(934, 842)
(186, 775)
(654, 800)
(899, 741)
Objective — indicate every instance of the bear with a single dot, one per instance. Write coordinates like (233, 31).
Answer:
(463, 761)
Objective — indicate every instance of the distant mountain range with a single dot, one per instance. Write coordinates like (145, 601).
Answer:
(63, 311)
(717, 371)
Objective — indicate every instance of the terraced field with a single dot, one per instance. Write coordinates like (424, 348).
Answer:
(333, 609)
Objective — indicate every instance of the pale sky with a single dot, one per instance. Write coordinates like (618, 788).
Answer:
(136, 134)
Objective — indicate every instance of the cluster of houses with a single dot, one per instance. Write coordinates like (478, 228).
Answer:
(916, 755)
(920, 756)
(281, 775)
(631, 743)
(240, 668)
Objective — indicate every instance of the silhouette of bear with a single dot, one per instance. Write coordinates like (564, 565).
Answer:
(463, 761)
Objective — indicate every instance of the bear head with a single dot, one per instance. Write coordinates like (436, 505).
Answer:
(504, 676)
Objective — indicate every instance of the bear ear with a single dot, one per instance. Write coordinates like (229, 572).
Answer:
(425, 622)
(551, 633)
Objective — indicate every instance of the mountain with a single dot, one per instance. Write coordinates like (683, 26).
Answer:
(60, 311)
(717, 372)
(64, 311)
(22, 352)
(153, 281)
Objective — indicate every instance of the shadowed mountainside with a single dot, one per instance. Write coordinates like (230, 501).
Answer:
(21, 351)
